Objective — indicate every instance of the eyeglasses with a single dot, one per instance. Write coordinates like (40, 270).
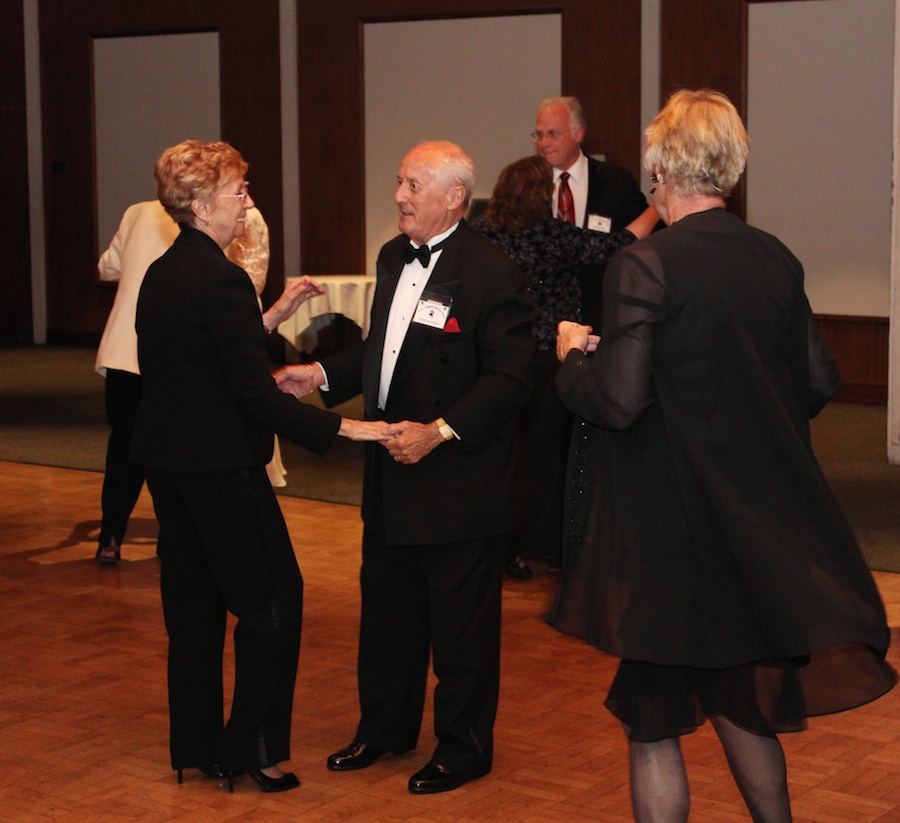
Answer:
(654, 181)
(537, 136)
(242, 194)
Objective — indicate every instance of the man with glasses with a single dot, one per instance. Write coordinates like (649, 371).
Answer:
(590, 193)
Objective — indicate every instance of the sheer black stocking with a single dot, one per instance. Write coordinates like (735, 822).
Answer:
(659, 786)
(758, 766)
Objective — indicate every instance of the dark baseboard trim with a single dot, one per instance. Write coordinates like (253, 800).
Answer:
(861, 347)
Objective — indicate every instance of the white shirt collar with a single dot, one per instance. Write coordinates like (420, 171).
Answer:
(437, 238)
(578, 171)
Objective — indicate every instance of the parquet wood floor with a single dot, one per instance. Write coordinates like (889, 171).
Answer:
(83, 722)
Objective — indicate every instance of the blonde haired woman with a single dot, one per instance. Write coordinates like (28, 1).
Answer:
(705, 547)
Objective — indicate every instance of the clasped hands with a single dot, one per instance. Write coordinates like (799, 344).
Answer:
(570, 335)
(406, 442)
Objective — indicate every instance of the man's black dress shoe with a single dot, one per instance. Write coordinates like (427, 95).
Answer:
(434, 778)
(274, 784)
(518, 569)
(354, 756)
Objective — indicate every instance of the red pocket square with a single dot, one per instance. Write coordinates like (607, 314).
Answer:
(452, 325)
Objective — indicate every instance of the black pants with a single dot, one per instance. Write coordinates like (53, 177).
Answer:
(224, 547)
(444, 599)
(123, 479)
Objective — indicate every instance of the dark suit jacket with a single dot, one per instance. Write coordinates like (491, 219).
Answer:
(208, 399)
(612, 192)
(475, 379)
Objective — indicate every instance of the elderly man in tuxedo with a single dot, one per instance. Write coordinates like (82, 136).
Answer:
(448, 363)
(593, 194)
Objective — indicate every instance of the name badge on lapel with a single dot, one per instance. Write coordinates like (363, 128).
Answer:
(597, 222)
(433, 310)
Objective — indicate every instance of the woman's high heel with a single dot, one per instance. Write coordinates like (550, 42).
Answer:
(274, 784)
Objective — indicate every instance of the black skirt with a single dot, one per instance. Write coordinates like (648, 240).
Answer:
(766, 697)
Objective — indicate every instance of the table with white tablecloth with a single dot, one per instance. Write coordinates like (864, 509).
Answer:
(349, 295)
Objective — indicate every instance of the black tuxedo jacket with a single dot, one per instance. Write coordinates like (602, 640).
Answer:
(614, 193)
(475, 378)
(208, 400)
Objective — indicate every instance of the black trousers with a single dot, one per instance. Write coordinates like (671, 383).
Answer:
(444, 600)
(224, 547)
(123, 479)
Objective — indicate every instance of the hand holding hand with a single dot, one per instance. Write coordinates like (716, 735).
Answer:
(364, 429)
(571, 335)
(410, 442)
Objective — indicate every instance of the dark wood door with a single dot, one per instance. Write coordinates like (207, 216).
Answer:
(250, 105)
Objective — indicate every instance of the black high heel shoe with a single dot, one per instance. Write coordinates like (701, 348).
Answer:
(214, 771)
(274, 784)
(108, 554)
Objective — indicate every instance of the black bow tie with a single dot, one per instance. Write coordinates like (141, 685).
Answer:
(423, 253)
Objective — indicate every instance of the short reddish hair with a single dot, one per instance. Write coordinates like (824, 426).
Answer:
(194, 169)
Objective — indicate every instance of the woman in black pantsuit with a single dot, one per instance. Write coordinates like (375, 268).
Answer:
(208, 409)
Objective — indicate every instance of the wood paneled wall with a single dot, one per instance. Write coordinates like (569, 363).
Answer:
(251, 121)
(15, 272)
(703, 42)
(601, 66)
(861, 347)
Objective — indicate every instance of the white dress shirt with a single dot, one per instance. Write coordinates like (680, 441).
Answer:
(410, 286)
(578, 184)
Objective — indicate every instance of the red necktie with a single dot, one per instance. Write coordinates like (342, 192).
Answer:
(565, 205)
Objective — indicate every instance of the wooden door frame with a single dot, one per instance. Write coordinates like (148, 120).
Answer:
(601, 65)
(251, 121)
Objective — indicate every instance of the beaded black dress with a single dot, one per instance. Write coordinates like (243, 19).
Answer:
(703, 544)
(549, 254)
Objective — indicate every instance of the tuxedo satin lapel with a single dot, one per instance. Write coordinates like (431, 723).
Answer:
(446, 270)
(597, 182)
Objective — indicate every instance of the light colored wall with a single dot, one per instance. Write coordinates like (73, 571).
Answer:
(820, 124)
(476, 82)
(149, 93)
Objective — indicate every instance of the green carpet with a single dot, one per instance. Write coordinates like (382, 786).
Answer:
(51, 413)
(850, 442)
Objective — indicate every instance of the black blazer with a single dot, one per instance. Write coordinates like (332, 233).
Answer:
(208, 400)
(614, 193)
(475, 379)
